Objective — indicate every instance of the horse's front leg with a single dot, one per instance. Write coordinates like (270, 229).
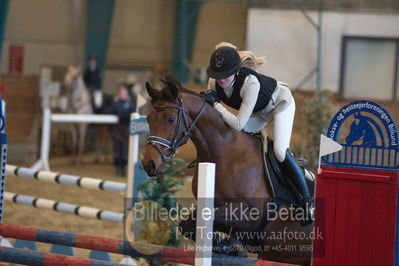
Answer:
(101, 144)
(227, 218)
(98, 143)
(241, 221)
(74, 146)
(187, 230)
(187, 227)
(82, 135)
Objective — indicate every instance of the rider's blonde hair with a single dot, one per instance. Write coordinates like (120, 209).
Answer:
(248, 58)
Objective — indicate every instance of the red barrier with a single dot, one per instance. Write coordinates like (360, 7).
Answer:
(356, 212)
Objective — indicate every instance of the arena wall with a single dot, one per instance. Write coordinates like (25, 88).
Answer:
(289, 41)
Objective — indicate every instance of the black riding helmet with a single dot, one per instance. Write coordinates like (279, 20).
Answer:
(225, 61)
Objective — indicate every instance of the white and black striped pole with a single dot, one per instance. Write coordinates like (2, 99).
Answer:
(66, 179)
(58, 206)
(3, 154)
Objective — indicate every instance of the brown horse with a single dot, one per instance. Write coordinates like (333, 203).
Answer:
(179, 114)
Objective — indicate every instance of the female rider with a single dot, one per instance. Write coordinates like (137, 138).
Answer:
(259, 100)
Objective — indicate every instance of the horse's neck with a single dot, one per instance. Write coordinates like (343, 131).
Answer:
(81, 97)
(205, 138)
(80, 86)
(212, 137)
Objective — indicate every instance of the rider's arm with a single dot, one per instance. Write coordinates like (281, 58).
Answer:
(249, 94)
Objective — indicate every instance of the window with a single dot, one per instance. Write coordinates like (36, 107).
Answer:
(369, 68)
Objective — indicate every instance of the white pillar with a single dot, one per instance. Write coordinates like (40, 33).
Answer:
(46, 138)
(205, 214)
(132, 158)
(42, 163)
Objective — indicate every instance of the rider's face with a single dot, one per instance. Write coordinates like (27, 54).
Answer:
(226, 81)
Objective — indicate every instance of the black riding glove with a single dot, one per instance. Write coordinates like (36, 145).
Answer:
(210, 96)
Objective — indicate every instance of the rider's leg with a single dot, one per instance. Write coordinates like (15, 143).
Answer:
(282, 128)
(255, 124)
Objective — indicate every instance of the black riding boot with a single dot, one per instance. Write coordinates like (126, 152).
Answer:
(295, 174)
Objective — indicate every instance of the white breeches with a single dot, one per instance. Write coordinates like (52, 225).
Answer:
(282, 128)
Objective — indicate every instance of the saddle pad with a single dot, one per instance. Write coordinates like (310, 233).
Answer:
(283, 190)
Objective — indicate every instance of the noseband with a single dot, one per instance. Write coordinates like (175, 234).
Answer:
(175, 142)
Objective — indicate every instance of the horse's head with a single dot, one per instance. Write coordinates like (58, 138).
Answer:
(71, 76)
(354, 134)
(170, 125)
(76, 88)
(362, 129)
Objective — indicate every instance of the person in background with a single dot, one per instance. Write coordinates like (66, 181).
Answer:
(132, 87)
(122, 106)
(92, 81)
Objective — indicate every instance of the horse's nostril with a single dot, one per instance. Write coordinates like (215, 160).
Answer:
(151, 166)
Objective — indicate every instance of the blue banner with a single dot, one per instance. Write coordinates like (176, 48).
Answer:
(369, 124)
(139, 126)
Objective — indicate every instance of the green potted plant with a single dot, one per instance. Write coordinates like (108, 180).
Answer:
(160, 192)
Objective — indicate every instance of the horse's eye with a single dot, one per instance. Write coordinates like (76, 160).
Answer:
(171, 120)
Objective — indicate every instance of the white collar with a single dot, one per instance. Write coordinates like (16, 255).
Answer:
(230, 86)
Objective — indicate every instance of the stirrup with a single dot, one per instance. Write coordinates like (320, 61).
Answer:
(309, 209)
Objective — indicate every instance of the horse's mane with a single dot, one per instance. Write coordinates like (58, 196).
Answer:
(166, 95)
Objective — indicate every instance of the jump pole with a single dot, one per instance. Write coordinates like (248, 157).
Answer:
(138, 125)
(30, 257)
(58, 206)
(66, 179)
(169, 254)
(3, 153)
(48, 118)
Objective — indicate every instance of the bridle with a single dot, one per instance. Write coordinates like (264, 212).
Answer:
(175, 142)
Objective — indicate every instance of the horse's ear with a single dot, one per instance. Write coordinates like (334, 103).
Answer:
(174, 86)
(151, 91)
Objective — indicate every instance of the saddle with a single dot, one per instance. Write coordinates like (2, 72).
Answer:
(283, 190)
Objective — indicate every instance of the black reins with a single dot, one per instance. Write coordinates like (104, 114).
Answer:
(172, 145)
